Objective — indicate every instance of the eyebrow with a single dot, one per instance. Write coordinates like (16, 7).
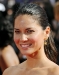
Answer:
(16, 29)
(26, 28)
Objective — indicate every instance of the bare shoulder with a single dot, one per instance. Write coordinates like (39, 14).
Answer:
(54, 70)
(10, 70)
(14, 70)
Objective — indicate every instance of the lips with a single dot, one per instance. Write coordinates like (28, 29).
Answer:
(25, 46)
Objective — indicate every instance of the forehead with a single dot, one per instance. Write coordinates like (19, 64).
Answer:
(25, 20)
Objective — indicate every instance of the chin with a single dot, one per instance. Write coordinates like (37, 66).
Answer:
(26, 53)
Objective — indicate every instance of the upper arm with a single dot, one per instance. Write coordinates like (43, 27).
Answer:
(10, 57)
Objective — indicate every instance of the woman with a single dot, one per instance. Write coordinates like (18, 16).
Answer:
(8, 56)
(32, 35)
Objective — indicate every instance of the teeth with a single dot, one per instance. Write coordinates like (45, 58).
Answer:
(24, 45)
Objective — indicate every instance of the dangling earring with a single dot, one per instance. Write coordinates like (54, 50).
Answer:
(45, 42)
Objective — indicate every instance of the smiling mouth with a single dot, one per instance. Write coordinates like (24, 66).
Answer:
(25, 46)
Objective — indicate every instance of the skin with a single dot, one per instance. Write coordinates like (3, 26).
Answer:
(8, 58)
(29, 38)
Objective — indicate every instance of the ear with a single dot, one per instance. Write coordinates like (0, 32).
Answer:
(46, 32)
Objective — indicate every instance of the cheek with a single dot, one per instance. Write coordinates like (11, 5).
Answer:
(16, 40)
(38, 40)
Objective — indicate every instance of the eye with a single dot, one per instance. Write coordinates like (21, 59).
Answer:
(17, 32)
(30, 31)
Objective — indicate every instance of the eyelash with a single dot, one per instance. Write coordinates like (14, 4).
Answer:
(17, 32)
(30, 31)
(27, 31)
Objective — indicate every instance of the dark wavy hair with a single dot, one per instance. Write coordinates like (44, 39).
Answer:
(40, 16)
(6, 33)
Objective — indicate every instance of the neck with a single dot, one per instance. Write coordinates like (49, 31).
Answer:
(37, 59)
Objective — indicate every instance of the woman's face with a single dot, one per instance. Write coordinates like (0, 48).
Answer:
(28, 34)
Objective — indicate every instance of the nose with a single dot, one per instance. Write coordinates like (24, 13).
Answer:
(23, 38)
